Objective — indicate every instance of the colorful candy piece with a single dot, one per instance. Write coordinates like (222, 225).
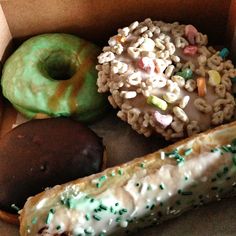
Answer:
(191, 33)
(186, 73)
(201, 85)
(146, 64)
(190, 50)
(164, 120)
(224, 53)
(214, 77)
(120, 39)
(157, 102)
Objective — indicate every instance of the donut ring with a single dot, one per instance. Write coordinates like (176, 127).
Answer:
(54, 75)
(164, 79)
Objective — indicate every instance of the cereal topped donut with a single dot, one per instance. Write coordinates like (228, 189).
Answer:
(164, 78)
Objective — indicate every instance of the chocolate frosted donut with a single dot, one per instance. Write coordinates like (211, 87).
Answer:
(54, 75)
(165, 79)
(43, 153)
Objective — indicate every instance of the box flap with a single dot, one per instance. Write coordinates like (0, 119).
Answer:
(6, 37)
(96, 20)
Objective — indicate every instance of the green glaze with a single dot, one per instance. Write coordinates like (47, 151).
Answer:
(54, 75)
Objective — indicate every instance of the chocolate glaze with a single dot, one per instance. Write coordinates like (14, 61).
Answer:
(43, 153)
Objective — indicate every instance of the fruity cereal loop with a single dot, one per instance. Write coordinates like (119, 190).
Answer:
(165, 79)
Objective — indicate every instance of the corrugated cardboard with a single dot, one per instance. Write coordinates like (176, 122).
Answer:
(96, 20)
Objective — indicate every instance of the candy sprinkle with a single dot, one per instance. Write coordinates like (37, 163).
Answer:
(201, 85)
(120, 172)
(96, 217)
(162, 187)
(157, 102)
(224, 53)
(188, 151)
(50, 216)
(13, 206)
(186, 73)
(214, 77)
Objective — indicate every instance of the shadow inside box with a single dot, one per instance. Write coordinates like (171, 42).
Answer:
(122, 142)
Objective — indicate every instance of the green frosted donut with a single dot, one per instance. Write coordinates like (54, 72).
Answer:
(54, 75)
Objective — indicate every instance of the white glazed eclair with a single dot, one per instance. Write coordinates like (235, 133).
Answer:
(142, 192)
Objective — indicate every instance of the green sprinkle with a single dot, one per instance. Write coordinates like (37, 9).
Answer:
(118, 219)
(111, 209)
(226, 149)
(186, 73)
(34, 220)
(124, 210)
(168, 154)
(121, 212)
(113, 174)
(161, 204)
(137, 184)
(52, 211)
(162, 186)
(103, 178)
(234, 159)
(174, 154)
(103, 207)
(149, 187)
(102, 234)
(186, 178)
(87, 217)
(117, 204)
(188, 151)
(224, 53)
(179, 191)
(70, 203)
(214, 150)
(99, 185)
(147, 207)
(152, 207)
(96, 217)
(142, 165)
(92, 200)
(186, 193)
(120, 172)
(87, 231)
(58, 227)
(13, 206)
(49, 217)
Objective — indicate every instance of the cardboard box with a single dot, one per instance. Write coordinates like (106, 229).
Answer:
(96, 20)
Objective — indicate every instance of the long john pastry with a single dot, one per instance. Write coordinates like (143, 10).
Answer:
(142, 192)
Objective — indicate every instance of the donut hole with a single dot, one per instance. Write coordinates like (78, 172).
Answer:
(59, 66)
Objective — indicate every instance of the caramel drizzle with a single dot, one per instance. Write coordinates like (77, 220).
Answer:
(76, 81)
